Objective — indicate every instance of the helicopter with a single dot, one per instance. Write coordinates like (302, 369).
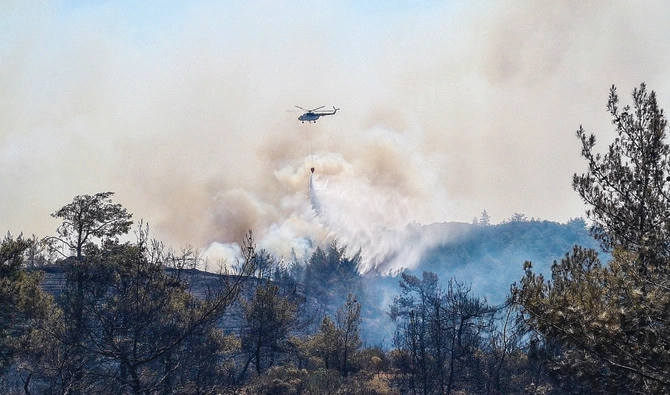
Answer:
(314, 114)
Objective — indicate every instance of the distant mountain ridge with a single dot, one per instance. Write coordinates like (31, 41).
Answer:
(491, 257)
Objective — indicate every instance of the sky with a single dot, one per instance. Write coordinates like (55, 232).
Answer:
(186, 110)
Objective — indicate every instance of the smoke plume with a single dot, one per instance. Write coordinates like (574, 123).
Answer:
(447, 109)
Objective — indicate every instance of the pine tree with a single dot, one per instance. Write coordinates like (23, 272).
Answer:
(348, 323)
(22, 303)
(611, 322)
(628, 187)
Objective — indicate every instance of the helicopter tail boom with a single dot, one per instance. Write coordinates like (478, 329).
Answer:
(328, 112)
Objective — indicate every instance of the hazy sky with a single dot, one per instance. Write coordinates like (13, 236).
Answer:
(180, 108)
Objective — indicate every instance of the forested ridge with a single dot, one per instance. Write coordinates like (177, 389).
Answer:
(84, 312)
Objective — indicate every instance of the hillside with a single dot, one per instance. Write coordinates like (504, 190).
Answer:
(491, 257)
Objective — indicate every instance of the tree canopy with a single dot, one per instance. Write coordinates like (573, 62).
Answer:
(628, 187)
(90, 217)
(611, 320)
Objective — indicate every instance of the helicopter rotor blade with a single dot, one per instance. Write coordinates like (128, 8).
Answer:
(318, 108)
(302, 108)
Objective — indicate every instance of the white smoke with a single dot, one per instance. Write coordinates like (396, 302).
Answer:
(448, 108)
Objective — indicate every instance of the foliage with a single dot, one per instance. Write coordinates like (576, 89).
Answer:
(628, 188)
(125, 324)
(609, 322)
(348, 319)
(130, 318)
(269, 317)
(131, 327)
(338, 342)
(332, 274)
(438, 333)
(22, 302)
(326, 344)
(91, 217)
(280, 380)
(485, 219)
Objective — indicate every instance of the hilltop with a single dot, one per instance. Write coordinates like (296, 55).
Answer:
(491, 257)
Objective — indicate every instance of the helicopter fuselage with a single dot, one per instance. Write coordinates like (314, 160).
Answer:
(312, 116)
(309, 117)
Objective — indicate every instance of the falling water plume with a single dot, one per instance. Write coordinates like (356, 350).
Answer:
(313, 200)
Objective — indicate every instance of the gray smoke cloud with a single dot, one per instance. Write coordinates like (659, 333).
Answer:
(447, 110)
